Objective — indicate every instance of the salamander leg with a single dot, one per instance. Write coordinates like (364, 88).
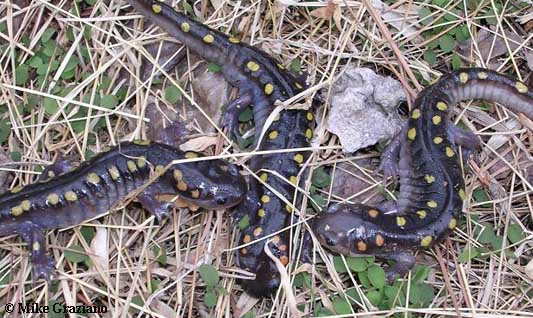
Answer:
(233, 109)
(43, 264)
(57, 168)
(467, 140)
(404, 262)
(390, 157)
(172, 135)
(149, 201)
(307, 249)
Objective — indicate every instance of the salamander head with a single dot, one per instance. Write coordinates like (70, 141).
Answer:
(267, 279)
(342, 230)
(212, 185)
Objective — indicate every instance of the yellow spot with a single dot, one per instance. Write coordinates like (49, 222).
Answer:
(36, 246)
(156, 8)
(521, 87)
(269, 88)
(293, 180)
(191, 155)
(284, 260)
(299, 158)
(437, 140)
(25, 205)
(442, 106)
(244, 251)
(411, 133)
(449, 152)
(373, 213)
(288, 208)
(422, 214)
(257, 231)
(452, 224)
(401, 221)
(71, 196)
(463, 77)
(195, 194)
(429, 178)
(276, 239)
(234, 40)
(379, 240)
(141, 162)
(247, 238)
(142, 142)
(17, 189)
(253, 66)
(185, 27)
(361, 246)
(208, 39)
(298, 86)
(265, 198)
(309, 116)
(415, 114)
(276, 118)
(178, 175)
(131, 166)
(113, 172)
(261, 213)
(16, 211)
(436, 119)
(426, 241)
(281, 67)
(482, 75)
(273, 134)
(432, 204)
(182, 186)
(52, 198)
(93, 178)
(462, 194)
(159, 169)
(309, 133)
(264, 176)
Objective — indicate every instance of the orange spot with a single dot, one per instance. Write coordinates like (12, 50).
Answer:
(373, 213)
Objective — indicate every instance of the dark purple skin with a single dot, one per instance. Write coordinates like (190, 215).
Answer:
(425, 157)
(292, 130)
(210, 184)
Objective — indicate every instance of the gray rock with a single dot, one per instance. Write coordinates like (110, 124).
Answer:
(364, 108)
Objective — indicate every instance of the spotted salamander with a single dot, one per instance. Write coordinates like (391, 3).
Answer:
(97, 185)
(261, 81)
(424, 155)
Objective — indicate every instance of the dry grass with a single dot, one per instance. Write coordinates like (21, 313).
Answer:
(127, 240)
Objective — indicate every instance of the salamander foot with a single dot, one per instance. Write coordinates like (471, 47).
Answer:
(404, 262)
(233, 109)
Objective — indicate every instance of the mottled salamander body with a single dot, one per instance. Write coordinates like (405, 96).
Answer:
(431, 184)
(110, 177)
(260, 81)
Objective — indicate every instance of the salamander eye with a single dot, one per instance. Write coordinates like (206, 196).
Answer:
(221, 200)
(233, 170)
(330, 241)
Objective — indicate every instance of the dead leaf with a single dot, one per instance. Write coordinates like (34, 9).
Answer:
(326, 12)
(199, 144)
(163, 309)
(100, 248)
